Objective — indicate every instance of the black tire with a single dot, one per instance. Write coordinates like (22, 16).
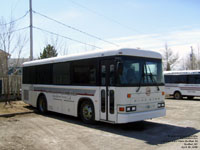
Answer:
(190, 97)
(42, 104)
(177, 95)
(87, 113)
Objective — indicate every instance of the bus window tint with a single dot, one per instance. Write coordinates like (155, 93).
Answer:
(84, 72)
(29, 75)
(41, 74)
(61, 73)
(112, 74)
(103, 75)
(193, 79)
(182, 79)
(197, 81)
(44, 74)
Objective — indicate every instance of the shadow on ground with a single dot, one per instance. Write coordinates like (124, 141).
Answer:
(150, 132)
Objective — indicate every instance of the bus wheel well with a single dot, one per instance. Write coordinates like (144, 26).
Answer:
(80, 102)
(177, 95)
(41, 94)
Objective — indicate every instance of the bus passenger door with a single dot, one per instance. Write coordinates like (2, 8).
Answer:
(107, 91)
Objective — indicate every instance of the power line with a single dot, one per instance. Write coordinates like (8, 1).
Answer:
(20, 29)
(73, 28)
(65, 37)
(108, 18)
(16, 19)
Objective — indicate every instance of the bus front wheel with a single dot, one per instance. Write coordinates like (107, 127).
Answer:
(87, 113)
(42, 104)
(177, 95)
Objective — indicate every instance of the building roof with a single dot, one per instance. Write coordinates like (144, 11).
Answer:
(2, 51)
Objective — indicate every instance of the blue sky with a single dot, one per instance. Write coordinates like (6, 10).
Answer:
(147, 24)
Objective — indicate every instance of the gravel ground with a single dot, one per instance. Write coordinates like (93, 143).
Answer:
(179, 129)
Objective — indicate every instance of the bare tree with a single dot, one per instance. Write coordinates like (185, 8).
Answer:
(10, 43)
(169, 58)
(192, 61)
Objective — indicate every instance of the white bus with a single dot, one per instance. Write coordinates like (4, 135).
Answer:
(182, 83)
(116, 86)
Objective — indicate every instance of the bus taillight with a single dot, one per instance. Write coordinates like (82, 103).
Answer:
(121, 109)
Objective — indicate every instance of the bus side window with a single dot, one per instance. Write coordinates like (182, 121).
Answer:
(84, 72)
(61, 73)
(112, 74)
(103, 75)
(197, 79)
(191, 79)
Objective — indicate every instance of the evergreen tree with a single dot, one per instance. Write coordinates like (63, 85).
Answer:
(49, 51)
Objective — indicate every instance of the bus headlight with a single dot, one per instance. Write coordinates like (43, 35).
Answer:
(130, 108)
(133, 108)
(160, 105)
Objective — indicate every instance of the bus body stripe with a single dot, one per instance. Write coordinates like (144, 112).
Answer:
(183, 88)
(84, 92)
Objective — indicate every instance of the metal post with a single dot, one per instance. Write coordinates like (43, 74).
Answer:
(31, 31)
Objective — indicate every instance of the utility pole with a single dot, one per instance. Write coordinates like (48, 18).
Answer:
(31, 30)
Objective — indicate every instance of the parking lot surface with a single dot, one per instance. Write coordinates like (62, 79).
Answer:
(179, 129)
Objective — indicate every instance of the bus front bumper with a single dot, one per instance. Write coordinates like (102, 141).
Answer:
(139, 116)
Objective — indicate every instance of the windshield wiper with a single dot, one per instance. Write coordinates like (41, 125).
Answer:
(153, 80)
(140, 82)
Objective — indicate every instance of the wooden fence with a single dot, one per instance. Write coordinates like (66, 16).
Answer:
(10, 85)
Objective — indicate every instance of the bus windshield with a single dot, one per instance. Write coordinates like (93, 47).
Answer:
(140, 71)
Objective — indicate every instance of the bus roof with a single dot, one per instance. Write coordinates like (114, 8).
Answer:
(184, 72)
(95, 54)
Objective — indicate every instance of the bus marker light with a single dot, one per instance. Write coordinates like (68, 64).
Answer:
(121, 108)
(163, 93)
(128, 95)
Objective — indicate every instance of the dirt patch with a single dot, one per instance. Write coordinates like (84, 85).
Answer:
(15, 107)
(178, 130)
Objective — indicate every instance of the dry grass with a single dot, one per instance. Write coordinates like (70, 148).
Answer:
(15, 107)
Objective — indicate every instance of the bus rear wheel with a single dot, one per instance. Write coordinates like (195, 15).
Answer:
(87, 113)
(177, 95)
(42, 104)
